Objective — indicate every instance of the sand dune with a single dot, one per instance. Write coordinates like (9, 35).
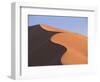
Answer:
(41, 50)
(75, 44)
(76, 53)
(49, 45)
(50, 28)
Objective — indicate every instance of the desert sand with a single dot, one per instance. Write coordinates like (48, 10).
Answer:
(49, 45)
(75, 44)
(41, 50)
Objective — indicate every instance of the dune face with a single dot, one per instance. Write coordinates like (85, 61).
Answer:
(76, 48)
(75, 44)
(52, 46)
(41, 51)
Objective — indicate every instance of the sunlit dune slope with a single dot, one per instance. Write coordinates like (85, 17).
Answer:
(75, 44)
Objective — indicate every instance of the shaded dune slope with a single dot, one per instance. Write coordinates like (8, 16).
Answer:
(41, 50)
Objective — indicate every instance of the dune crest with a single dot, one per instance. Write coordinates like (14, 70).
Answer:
(75, 44)
(51, 28)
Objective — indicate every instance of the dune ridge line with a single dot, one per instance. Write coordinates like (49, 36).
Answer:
(75, 44)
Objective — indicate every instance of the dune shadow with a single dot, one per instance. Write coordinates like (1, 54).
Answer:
(41, 50)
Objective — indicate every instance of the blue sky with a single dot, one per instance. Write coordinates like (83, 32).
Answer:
(74, 24)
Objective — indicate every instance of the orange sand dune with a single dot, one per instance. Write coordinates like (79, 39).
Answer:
(50, 28)
(75, 44)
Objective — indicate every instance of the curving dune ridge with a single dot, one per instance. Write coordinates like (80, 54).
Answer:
(76, 45)
(41, 50)
(48, 45)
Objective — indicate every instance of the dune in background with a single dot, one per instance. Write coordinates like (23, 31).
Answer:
(75, 44)
(49, 45)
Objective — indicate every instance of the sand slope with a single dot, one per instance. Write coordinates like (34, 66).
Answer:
(75, 44)
(41, 50)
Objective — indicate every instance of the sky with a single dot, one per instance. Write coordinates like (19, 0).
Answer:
(73, 24)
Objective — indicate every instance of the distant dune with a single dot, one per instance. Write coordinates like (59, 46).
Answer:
(52, 46)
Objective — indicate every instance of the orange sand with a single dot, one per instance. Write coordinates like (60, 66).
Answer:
(76, 45)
